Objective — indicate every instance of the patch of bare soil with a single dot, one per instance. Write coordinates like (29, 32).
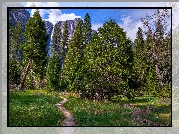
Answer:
(69, 121)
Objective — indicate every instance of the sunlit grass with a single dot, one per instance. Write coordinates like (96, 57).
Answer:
(34, 108)
(37, 108)
(90, 113)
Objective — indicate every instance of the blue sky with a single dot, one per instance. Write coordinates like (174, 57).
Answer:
(101, 15)
(128, 19)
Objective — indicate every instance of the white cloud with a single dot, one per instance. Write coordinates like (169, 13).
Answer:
(130, 26)
(96, 26)
(42, 4)
(54, 15)
(126, 20)
(42, 12)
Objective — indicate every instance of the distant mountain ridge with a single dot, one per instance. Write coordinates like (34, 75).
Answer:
(23, 16)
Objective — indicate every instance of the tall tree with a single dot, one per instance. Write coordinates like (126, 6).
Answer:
(74, 55)
(160, 50)
(139, 42)
(65, 42)
(53, 72)
(87, 30)
(34, 48)
(55, 61)
(107, 64)
(16, 38)
(56, 39)
(139, 58)
(151, 77)
(16, 34)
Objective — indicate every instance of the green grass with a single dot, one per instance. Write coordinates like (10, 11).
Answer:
(90, 113)
(37, 108)
(34, 108)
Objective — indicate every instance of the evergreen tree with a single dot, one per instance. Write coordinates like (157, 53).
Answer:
(139, 42)
(148, 42)
(55, 62)
(34, 48)
(107, 64)
(87, 30)
(151, 77)
(53, 72)
(15, 41)
(56, 39)
(74, 55)
(14, 53)
(65, 42)
(139, 59)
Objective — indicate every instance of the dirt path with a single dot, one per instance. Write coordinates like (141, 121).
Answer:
(69, 121)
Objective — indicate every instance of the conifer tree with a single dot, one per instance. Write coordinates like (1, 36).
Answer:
(15, 41)
(34, 48)
(139, 58)
(74, 55)
(14, 53)
(53, 72)
(107, 64)
(56, 39)
(87, 30)
(65, 42)
(139, 42)
(151, 76)
(54, 63)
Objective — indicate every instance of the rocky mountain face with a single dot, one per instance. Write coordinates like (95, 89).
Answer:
(23, 16)
(18, 15)
(49, 29)
(71, 26)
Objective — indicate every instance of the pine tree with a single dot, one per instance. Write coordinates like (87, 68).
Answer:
(74, 55)
(107, 64)
(55, 61)
(139, 58)
(15, 41)
(14, 53)
(65, 42)
(34, 48)
(139, 42)
(56, 39)
(148, 42)
(87, 30)
(151, 83)
(53, 72)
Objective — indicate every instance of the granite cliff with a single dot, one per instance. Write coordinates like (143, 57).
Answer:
(23, 16)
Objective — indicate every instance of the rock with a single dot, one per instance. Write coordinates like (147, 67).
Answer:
(49, 28)
(23, 16)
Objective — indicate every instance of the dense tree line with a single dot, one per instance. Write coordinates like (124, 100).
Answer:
(98, 66)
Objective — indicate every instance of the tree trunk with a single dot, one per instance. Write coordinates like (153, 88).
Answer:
(20, 87)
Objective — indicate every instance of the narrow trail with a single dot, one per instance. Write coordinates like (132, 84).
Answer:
(69, 121)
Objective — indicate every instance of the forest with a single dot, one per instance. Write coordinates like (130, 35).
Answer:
(104, 69)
